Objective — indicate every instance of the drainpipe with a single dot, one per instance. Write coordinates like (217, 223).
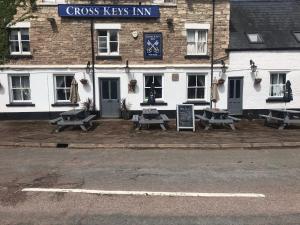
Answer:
(212, 48)
(93, 60)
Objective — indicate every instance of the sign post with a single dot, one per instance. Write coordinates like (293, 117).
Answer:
(185, 119)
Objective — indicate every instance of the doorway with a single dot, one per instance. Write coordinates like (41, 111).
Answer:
(109, 97)
(235, 95)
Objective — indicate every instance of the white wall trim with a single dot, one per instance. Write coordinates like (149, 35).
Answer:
(107, 26)
(20, 25)
(197, 26)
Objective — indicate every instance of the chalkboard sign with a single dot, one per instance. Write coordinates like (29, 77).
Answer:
(185, 117)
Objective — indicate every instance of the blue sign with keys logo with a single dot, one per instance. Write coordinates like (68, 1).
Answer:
(153, 46)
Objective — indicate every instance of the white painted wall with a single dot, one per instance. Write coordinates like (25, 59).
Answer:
(254, 96)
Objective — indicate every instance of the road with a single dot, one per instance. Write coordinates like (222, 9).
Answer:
(273, 173)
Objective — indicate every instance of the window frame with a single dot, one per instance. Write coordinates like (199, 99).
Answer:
(187, 86)
(162, 85)
(19, 41)
(196, 36)
(162, 2)
(11, 95)
(65, 88)
(295, 36)
(108, 41)
(255, 42)
(277, 84)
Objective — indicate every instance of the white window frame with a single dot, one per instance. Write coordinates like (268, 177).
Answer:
(164, 2)
(205, 86)
(196, 35)
(65, 88)
(260, 40)
(20, 52)
(162, 85)
(51, 2)
(278, 85)
(109, 53)
(20, 88)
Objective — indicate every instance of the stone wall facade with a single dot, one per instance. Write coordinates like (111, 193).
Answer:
(70, 42)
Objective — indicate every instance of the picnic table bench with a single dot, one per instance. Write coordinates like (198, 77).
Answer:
(73, 118)
(281, 117)
(150, 117)
(216, 117)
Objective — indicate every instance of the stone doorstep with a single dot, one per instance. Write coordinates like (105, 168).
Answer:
(240, 146)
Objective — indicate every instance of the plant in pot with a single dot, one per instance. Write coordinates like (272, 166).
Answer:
(124, 107)
(132, 85)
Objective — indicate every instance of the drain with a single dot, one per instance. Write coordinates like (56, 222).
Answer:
(62, 145)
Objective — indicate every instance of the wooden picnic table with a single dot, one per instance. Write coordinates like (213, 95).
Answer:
(283, 117)
(74, 117)
(216, 117)
(150, 117)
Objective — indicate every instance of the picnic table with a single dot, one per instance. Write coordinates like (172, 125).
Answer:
(74, 117)
(216, 117)
(283, 117)
(150, 117)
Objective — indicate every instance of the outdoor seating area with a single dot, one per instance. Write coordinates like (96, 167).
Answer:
(150, 117)
(282, 117)
(73, 118)
(212, 117)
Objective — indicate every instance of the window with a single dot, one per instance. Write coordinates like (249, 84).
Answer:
(297, 35)
(20, 88)
(53, 1)
(277, 84)
(156, 80)
(196, 42)
(19, 41)
(164, 2)
(255, 38)
(108, 42)
(62, 87)
(196, 87)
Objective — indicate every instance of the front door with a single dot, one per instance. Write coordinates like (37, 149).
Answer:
(235, 95)
(110, 97)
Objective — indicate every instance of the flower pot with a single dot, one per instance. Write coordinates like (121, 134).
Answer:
(221, 81)
(84, 81)
(257, 80)
(132, 85)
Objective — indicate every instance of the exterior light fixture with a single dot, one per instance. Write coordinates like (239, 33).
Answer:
(254, 71)
(253, 66)
(223, 66)
(170, 23)
(88, 67)
(53, 24)
(221, 79)
(127, 67)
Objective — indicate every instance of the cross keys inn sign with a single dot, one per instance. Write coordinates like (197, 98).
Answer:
(109, 11)
(153, 46)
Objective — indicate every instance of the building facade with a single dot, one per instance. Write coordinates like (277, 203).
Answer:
(134, 49)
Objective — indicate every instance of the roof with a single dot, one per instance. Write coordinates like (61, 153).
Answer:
(274, 20)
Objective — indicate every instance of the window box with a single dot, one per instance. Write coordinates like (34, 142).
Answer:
(197, 57)
(274, 99)
(20, 104)
(157, 103)
(64, 104)
(197, 102)
(112, 57)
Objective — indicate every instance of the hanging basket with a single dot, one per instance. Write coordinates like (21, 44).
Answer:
(132, 85)
(221, 81)
(84, 81)
(257, 80)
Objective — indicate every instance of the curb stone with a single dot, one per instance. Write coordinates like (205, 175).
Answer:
(155, 146)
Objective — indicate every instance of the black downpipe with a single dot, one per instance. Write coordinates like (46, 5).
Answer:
(212, 48)
(93, 61)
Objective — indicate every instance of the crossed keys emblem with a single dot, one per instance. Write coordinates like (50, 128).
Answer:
(152, 47)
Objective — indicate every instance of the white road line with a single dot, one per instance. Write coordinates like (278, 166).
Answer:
(146, 193)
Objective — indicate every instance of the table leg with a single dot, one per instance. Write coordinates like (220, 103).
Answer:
(232, 126)
(162, 126)
(282, 126)
(59, 128)
(83, 128)
(207, 126)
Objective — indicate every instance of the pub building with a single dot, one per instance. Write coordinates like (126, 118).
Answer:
(115, 50)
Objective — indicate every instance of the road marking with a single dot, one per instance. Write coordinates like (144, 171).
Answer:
(146, 193)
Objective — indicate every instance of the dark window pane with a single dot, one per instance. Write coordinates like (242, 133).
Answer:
(200, 81)
(15, 82)
(60, 93)
(200, 92)
(25, 46)
(191, 93)
(157, 81)
(26, 94)
(17, 94)
(105, 89)
(60, 81)
(192, 81)
(14, 35)
(158, 93)
(102, 33)
(147, 92)
(24, 35)
(282, 78)
(113, 89)
(113, 46)
(68, 94)
(14, 46)
(148, 81)
(231, 89)
(238, 89)
(113, 36)
(25, 82)
(69, 80)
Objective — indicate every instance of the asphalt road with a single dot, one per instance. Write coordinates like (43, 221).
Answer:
(274, 173)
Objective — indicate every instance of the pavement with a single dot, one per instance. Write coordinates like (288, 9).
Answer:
(275, 174)
(120, 134)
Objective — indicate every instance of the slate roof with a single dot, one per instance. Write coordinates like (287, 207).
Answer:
(274, 20)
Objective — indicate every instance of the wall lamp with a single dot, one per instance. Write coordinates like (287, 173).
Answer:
(170, 23)
(223, 66)
(53, 23)
(127, 67)
(253, 66)
(88, 67)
